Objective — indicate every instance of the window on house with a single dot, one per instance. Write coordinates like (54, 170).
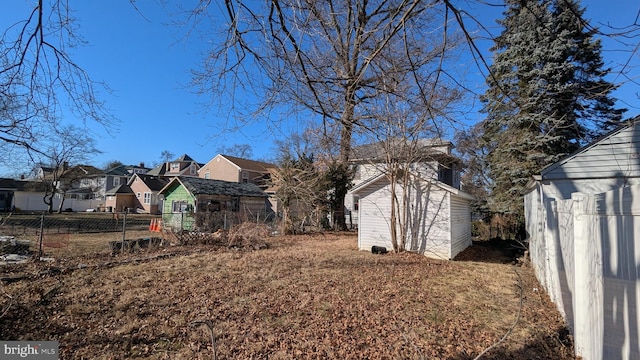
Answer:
(245, 177)
(138, 195)
(445, 174)
(116, 181)
(175, 166)
(179, 206)
(147, 198)
(207, 175)
(193, 170)
(356, 202)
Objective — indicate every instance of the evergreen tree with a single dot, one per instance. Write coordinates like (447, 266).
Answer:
(547, 94)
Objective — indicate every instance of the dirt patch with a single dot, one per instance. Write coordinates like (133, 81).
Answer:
(303, 297)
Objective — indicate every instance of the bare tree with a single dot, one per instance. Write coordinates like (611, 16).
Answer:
(40, 84)
(332, 59)
(67, 145)
(404, 144)
(238, 150)
(166, 156)
(300, 183)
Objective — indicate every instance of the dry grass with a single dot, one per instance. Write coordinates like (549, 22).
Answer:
(305, 297)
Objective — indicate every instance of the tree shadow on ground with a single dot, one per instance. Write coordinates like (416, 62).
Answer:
(493, 251)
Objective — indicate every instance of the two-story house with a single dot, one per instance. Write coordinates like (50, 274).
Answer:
(239, 170)
(407, 196)
(235, 169)
(182, 166)
(431, 158)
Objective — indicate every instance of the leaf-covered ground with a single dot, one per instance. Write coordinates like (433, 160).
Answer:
(305, 297)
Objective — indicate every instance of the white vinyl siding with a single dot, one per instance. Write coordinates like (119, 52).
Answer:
(434, 219)
(460, 225)
(611, 157)
(373, 226)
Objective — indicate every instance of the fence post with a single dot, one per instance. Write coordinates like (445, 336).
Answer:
(588, 293)
(124, 227)
(41, 236)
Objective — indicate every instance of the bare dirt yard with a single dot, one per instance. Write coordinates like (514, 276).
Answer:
(303, 297)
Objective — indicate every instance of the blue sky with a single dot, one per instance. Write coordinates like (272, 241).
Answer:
(147, 64)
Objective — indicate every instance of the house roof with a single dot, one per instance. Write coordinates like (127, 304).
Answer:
(154, 183)
(120, 189)
(440, 184)
(199, 186)
(30, 186)
(184, 158)
(82, 170)
(378, 151)
(8, 184)
(158, 170)
(623, 126)
(247, 164)
(120, 170)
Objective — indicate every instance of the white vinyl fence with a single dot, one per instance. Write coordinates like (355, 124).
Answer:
(586, 253)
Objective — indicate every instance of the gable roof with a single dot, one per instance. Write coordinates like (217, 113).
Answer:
(158, 170)
(199, 186)
(184, 158)
(125, 170)
(378, 151)
(615, 152)
(247, 164)
(154, 183)
(437, 183)
(120, 189)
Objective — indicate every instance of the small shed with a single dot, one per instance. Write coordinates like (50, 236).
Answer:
(438, 220)
(184, 197)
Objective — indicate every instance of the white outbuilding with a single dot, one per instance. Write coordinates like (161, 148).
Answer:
(437, 220)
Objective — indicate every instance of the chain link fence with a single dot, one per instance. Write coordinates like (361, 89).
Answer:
(74, 234)
(66, 235)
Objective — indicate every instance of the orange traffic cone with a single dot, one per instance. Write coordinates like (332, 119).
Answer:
(159, 225)
(151, 224)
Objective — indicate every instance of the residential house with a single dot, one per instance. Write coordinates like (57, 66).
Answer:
(431, 158)
(235, 169)
(147, 192)
(187, 197)
(230, 168)
(438, 215)
(182, 166)
(77, 182)
(583, 222)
